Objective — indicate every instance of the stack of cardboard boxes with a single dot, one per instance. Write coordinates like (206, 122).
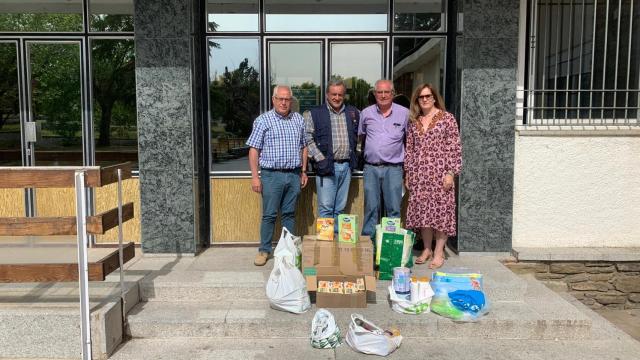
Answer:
(330, 266)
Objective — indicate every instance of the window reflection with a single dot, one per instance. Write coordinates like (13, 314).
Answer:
(418, 15)
(41, 16)
(234, 99)
(326, 15)
(302, 71)
(417, 61)
(114, 100)
(226, 15)
(111, 16)
(56, 102)
(359, 65)
(10, 153)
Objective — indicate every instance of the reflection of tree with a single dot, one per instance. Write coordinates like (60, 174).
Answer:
(41, 22)
(357, 91)
(8, 83)
(114, 87)
(56, 88)
(235, 98)
(418, 21)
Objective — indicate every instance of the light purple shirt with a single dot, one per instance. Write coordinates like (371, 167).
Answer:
(384, 142)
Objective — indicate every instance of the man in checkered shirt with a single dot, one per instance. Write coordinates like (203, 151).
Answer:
(277, 147)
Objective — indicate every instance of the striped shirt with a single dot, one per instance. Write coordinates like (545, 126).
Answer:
(339, 135)
(279, 139)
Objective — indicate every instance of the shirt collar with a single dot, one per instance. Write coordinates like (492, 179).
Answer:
(336, 112)
(277, 115)
(380, 111)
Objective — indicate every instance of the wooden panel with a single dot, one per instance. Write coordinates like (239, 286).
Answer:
(236, 210)
(39, 226)
(46, 177)
(55, 202)
(107, 198)
(65, 271)
(100, 223)
(11, 202)
(109, 174)
(59, 176)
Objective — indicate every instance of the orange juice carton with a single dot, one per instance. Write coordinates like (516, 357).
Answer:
(324, 229)
(348, 228)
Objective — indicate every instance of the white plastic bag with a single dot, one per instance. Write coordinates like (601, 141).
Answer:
(289, 245)
(365, 337)
(286, 288)
(325, 333)
(404, 306)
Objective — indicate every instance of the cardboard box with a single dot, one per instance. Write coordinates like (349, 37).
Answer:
(338, 261)
(331, 300)
(324, 229)
(348, 228)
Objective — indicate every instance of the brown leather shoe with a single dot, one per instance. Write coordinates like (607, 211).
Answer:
(261, 259)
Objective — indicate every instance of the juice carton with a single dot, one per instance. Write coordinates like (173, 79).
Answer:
(390, 225)
(324, 229)
(348, 228)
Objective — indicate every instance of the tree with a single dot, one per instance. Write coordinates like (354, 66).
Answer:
(113, 83)
(9, 105)
(235, 98)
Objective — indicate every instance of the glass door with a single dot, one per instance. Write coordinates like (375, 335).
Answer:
(55, 102)
(10, 124)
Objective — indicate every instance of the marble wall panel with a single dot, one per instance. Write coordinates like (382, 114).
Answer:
(487, 124)
(163, 52)
(162, 18)
(164, 87)
(167, 221)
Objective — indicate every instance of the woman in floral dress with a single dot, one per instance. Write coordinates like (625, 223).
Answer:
(432, 159)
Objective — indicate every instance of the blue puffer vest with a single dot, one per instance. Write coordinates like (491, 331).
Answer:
(324, 139)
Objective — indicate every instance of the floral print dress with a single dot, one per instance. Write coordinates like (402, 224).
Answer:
(430, 155)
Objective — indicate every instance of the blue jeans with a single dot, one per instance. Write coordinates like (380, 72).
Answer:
(333, 191)
(381, 180)
(280, 192)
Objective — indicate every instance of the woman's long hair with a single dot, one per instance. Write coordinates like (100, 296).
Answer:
(415, 111)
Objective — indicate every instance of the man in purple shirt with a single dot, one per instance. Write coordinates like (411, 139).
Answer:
(382, 129)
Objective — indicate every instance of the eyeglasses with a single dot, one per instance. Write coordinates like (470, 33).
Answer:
(282, 99)
(425, 97)
(384, 92)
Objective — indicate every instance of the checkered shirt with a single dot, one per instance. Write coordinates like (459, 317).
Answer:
(339, 135)
(279, 140)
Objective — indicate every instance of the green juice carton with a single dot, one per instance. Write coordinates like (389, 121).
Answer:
(348, 228)
(391, 225)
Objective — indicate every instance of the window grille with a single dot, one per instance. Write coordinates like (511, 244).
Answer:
(583, 63)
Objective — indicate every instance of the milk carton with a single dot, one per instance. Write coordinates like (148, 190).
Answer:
(348, 228)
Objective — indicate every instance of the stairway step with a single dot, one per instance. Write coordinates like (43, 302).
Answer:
(206, 348)
(255, 319)
(203, 285)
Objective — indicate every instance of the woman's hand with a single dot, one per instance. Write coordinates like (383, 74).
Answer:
(406, 183)
(447, 182)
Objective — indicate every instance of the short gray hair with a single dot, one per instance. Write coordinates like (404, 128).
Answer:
(384, 80)
(335, 82)
(278, 87)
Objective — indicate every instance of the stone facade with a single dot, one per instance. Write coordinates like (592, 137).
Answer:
(614, 285)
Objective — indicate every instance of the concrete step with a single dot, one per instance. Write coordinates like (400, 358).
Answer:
(53, 330)
(543, 316)
(188, 285)
(39, 320)
(206, 348)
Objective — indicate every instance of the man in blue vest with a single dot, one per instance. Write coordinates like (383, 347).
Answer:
(331, 134)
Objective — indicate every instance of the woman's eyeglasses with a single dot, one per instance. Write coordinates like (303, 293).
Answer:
(425, 97)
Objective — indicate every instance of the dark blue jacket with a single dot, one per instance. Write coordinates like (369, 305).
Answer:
(324, 139)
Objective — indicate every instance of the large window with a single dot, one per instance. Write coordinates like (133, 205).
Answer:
(41, 16)
(234, 99)
(326, 16)
(9, 106)
(584, 61)
(228, 16)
